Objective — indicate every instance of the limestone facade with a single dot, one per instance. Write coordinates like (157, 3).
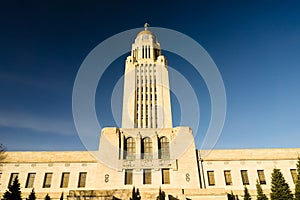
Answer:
(147, 152)
(103, 181)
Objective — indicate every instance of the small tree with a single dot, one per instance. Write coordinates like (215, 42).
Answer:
(297, 185)
(135, 194)
(260, 193)
(47, 197)
(279, 188)
(31, 195)
(2, 152)
(13, 192)
(246, 194)
(232, 196)
(161, 195)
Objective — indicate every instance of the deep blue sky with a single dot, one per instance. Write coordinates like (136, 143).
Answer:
(255, 44)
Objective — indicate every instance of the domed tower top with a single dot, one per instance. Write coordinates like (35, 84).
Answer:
(145, 45)
(145, 31)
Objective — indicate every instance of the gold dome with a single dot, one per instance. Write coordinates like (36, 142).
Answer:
(145, 32)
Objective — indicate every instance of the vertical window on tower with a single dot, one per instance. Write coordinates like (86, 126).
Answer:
(163, 148)
(13, 176)
(245, 178)
(165, 176)
(30, 180)
(261, 177)
(65, 179)
(211, 178)
(147, 179)
(82, 179)
(228, 179)
(47, 180)
(146, 113)
(294, 175)
(128, 177)
(147, 148)
(129, 148)
(155, 116)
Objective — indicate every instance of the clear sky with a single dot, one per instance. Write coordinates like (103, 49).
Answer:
(255, 45)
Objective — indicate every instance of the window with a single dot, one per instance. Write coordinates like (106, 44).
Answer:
(147, 148)
(211, 178)
(128, 177)
(82, 179)
(227, 175)
(64, 179)
(294, 175)
(147, 176)
(261, 177)
(163, 148)
(245, 178)
(129, 148)
(165, 176)
(30, 180)
(47, 180)
(13, 176)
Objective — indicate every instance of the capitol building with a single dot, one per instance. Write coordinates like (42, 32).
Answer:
(147, 152)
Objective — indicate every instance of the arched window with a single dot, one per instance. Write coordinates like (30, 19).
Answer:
(147, 148)
(163, 148)
(129, 148)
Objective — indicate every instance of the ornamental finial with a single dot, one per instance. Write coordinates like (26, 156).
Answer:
(146, 26)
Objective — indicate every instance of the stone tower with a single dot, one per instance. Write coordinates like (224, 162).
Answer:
(146, 101)
(147, 151)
